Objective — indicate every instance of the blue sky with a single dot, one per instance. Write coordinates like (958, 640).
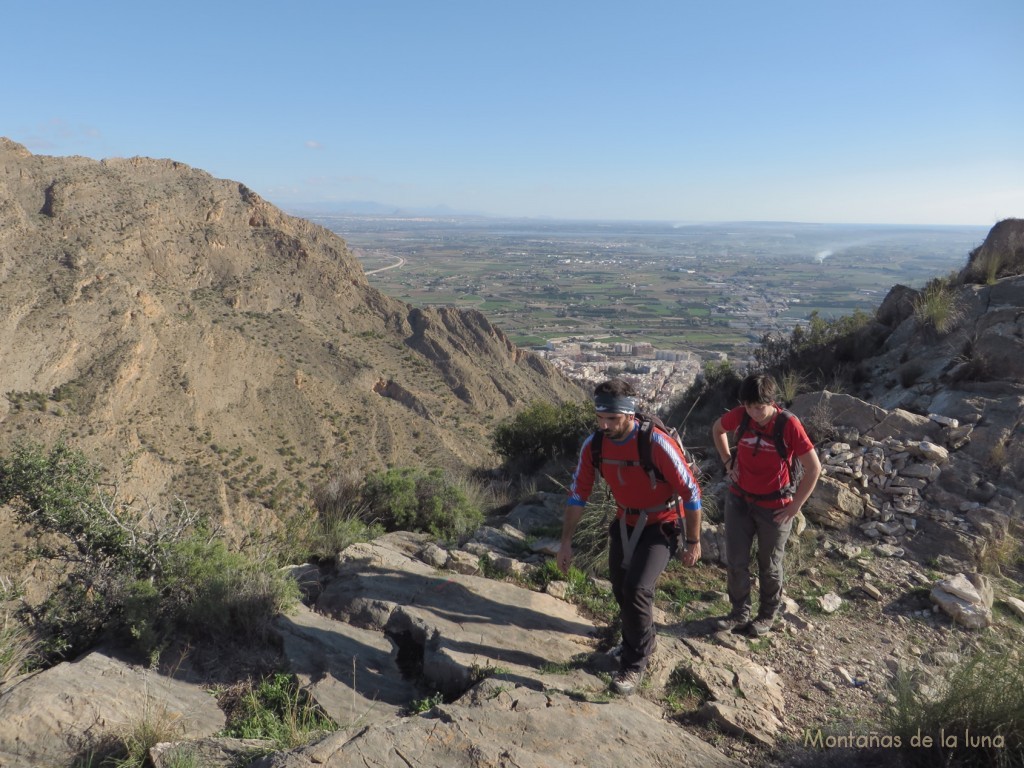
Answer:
(799, 110)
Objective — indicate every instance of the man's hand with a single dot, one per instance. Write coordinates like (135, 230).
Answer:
(564, 557)
(690, 554)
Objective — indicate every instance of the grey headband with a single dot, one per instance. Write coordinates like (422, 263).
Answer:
(614, 404)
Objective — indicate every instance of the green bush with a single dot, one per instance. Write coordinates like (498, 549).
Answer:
(56, 492)
(909, 373)
(418, 500)
(590, 541)
(790, 384)
(130, 573)
(340, 517)
(544, 431)
(212, 592)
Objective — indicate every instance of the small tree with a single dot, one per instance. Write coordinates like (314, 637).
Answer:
(407, 499)
(544, 431)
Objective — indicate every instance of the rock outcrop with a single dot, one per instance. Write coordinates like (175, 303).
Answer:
(503, 724)
(49, 717)
(520, 669)
(1001, 255)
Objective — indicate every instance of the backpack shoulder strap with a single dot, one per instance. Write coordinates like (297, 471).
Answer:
(744, 424)
(781, 420)
(643, 437)
(596, 440)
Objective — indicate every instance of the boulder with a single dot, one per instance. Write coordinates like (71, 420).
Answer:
(907, 426)
(839, 409)
(353, 674)
(743, 696)
(988, 522)
(455, 625)
(833, 504)
(1015, 605)
(830, 602)
(965, 599)
(211, 752)
(897, 306)
(930, 452)
(51, 717)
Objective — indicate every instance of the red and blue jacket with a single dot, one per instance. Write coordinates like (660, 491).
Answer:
(631, 486)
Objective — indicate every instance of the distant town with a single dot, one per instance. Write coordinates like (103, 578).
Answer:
(658, 375)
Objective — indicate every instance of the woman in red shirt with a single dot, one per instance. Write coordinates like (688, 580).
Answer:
(760, 502)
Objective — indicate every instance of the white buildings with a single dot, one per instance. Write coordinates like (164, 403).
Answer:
(659, 375)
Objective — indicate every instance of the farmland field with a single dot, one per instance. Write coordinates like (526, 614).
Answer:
(705, 288)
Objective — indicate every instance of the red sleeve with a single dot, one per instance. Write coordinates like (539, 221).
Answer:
(673, 466)
(731, 419)
(583, 477)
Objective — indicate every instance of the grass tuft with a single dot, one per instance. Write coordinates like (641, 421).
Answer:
(979, 708)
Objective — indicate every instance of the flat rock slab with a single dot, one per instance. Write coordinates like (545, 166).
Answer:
(465, 626)
(52, 716)
(498, 724)
(743, 696)
(352, 673)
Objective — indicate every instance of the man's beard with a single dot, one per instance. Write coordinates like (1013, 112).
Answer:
(617, 434)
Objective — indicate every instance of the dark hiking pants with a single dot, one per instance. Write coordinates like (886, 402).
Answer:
(745, 522)
(633, 588)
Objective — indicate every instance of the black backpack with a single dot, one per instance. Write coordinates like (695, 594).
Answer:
(647, 424)
(796, 469)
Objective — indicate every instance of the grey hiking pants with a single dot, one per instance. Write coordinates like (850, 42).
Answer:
(633, 588)
(745, 521)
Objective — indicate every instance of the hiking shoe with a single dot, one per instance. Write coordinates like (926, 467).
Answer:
(761, 626)
(614, 653)
(733, 621)
(625, 682)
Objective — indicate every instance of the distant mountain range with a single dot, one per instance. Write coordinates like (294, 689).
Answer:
(371, 208)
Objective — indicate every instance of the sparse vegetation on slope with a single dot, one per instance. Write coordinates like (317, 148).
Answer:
(979, 707)
(137, 574)
(938, 306)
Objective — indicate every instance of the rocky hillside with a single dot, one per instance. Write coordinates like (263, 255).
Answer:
(235, 331)
(180, 329)
(970, 371)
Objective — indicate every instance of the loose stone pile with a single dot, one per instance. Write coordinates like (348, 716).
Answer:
(890, 475)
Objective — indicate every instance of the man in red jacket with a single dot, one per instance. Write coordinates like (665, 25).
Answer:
(761, 501)
(644, 534)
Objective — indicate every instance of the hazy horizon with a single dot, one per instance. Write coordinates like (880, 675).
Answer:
(360, 209)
